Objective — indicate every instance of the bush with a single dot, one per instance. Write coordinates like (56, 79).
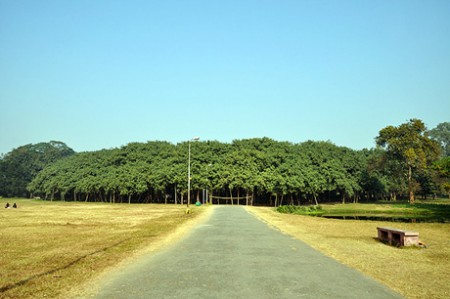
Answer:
(301, 210)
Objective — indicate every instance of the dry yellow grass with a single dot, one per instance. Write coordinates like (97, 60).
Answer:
(48, 249)
(415, 273)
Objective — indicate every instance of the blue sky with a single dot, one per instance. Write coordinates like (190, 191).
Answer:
(100, 74)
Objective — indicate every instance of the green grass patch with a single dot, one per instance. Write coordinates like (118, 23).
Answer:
(374, 209)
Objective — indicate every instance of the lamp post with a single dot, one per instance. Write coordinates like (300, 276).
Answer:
(208, 200)
(189, 171)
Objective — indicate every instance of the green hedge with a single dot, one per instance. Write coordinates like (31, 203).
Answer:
(301, 210)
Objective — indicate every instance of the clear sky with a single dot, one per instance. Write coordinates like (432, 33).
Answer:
(100, 74)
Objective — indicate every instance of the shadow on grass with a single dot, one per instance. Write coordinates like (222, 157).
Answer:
(432, 208)
(25, 281)
(400, 211)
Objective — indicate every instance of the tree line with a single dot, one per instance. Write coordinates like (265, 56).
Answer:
(259, 171)
(20, 166)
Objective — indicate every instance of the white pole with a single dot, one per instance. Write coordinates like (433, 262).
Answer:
(189, 176)
(189, 171)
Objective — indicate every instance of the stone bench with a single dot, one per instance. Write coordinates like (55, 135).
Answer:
(397, 237)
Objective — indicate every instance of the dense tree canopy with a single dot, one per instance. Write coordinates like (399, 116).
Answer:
(442, 135)
(268, 171)
(21, 165)
(258, 171)
(443, 174)
(409, 150)
(255, 171)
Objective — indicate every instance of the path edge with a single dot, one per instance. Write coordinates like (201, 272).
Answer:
(91, 288)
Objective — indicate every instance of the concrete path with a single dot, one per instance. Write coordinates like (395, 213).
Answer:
(235, 255)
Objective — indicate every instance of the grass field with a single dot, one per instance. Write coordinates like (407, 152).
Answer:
(48, 248)
(419, 209)
(432, 209)
(413, 272)
(51, 249)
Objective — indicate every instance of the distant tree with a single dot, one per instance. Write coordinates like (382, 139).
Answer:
(410, 145)
(20, 166)
(443, 169)
(442, 135)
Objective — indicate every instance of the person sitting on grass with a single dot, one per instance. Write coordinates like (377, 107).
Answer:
(14, 206)
(7, 205)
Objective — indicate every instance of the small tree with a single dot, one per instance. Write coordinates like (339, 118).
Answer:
(410, 145)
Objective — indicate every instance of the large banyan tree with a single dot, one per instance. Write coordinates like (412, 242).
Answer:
(254, 171)
(257, 171)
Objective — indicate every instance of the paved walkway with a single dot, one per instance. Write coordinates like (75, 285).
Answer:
(234, 255)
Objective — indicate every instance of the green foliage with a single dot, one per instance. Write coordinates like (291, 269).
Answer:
(409, 152)
(409, 143)
(155, 171)
(442, 135)
(21, 165)
(267, 171)
(301, 210)
(442, 168)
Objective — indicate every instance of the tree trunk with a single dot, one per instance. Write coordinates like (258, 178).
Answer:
(411, 197)
(410, 187)
(315, 199)
(175, 193)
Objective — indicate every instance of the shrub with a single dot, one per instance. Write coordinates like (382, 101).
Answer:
(301, 210)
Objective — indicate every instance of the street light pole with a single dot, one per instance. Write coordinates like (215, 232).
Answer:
(189, 176)
(189, 171)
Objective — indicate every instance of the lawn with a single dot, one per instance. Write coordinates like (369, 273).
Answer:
(419, 209)
(422, 209)
(51, 248)
(413, 272)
